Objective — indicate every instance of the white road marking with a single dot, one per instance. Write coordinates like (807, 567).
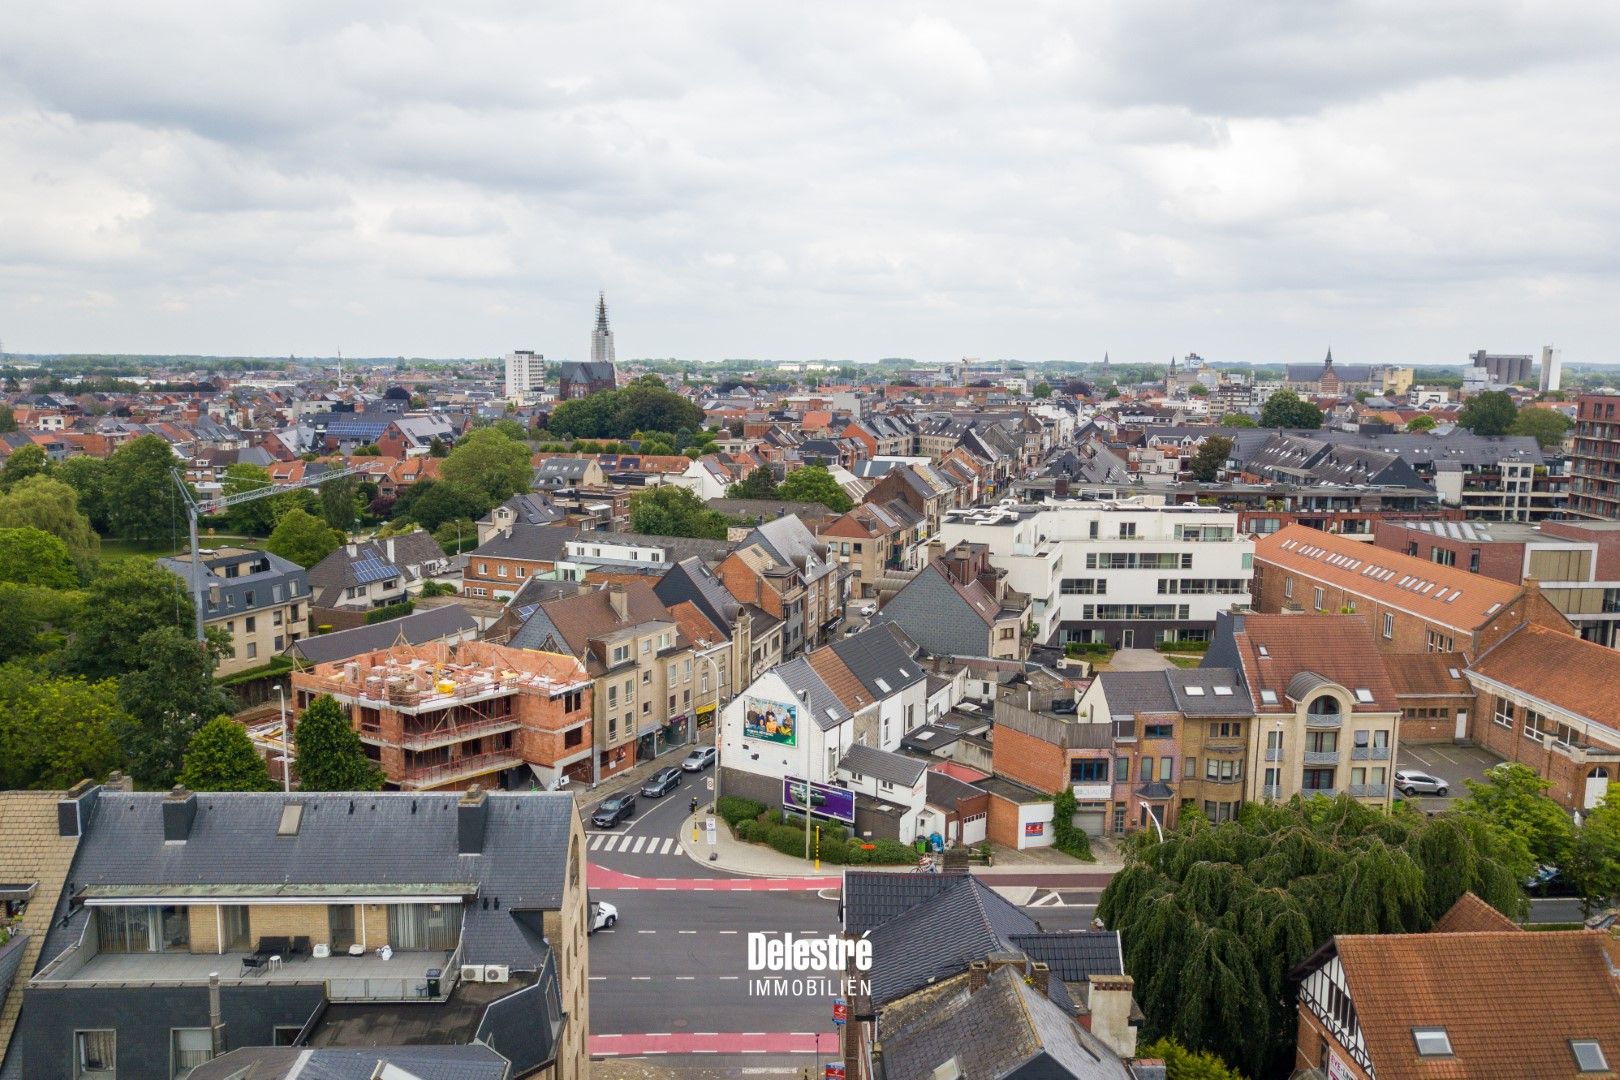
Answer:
(610, 843)
(635, 848)
(1443, 754)
(686, 931)
(731, 931)
(596, 841)
(646, 931)
(1414, 754)
(598, 978)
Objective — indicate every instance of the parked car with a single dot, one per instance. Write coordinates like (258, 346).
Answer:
(661, 783)
(612, 810)
(603, 916)
(1410, 783)
(867, 609)
(1550, 881)
(698, 759)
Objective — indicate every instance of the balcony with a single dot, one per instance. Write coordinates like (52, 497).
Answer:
(462, 768)
(1329, 792)
(1369, 791)
(1274, 753)
(1321, 757)
(1370, 753)
(1324, 721)
(1124, 730)
(1224, 746)
(445, 736)
(1271, 791)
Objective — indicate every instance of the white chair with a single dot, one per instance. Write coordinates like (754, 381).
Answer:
(386, 952)
(321, 952)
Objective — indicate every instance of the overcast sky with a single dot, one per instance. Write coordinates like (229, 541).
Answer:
(1250, 180)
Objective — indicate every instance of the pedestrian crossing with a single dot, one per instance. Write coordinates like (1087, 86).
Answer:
(635, 845)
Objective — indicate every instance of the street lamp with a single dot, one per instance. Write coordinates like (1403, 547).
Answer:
(708, 658)
(287, 744)
(1153, 816)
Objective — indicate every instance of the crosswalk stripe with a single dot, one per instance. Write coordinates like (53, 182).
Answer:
(596, 841)
(669, 842)
(610, 843)
(636, 847)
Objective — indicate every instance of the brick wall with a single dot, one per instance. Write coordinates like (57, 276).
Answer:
(289, 920)
(1411, 633)
(1003, 827)
(1307, 1048)
(204, 921)
(1028, 760)
(1568, 778)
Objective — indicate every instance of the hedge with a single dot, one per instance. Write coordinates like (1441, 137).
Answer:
(1088, 648)
(392, 611)
(1183, 646)
(736, 810)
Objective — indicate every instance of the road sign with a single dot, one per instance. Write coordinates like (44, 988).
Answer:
(840, 1011)
(710, 825)
(834, 1071)
(708, 782)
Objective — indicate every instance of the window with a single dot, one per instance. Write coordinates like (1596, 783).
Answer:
(1473, 561)
(1084, 586)
(1215, 769)
(621, 653)
(1147, 770)
(1288, 588)
(1318, 599)
(1189, 767)
(573, 737)
(1443, 556)
(1318, 780)
(238, 933)
(1226, 729)
(424, 926)
(1588, 1055)
(1119, 811)
(1090, 770)
(1127, 530)
(1389, 625)
(95, 1052)
(1439, 642)
(285, 1035)
(1432, 1042)
(1321, 742)
(189, 1048)
(1503, 715)
(247, 600)
(251, 624)
(1159, 731)
(143, 929)
(1122, 770)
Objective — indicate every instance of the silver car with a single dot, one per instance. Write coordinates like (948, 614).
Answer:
(1410, 783)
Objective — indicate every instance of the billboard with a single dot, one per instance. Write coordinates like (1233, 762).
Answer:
(770, 721)
(830, 802)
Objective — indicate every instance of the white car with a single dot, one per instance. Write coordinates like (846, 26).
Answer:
(603, 916)
(1409, 783)
(867, 609)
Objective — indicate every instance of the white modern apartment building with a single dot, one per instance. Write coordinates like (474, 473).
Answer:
(1130, 573)
(525, 375)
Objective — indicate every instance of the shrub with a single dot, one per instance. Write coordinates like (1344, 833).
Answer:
(892, 852)
(1183, 646)
(392, 611)
(736, 810)
(1088, 648)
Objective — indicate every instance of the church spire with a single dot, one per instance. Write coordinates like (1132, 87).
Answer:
(1329, 362)
(601, 337)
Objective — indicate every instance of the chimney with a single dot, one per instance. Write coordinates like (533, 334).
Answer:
(353, 550)
(618, 602)
(978, 975)
(390, 549)
(179, 811)
(216, 1020)
(73, 808)
(1061, 487)
(1040, 976)
(471, 815)
(117, 781)
(1109, 1005)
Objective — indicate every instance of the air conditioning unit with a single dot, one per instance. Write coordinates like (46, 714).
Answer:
(472, 972)
(497, 973)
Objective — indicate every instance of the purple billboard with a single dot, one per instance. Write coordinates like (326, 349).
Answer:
(830, 802)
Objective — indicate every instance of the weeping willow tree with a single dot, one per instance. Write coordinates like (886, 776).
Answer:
(1215, 916)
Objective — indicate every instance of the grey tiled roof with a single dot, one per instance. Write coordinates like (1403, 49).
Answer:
(946, 790)
(470, 1062)
(802, 679)
(1074, 956)
(541, 543)
(890, 768)
(941, 936)
(874, 654)
(873, 897)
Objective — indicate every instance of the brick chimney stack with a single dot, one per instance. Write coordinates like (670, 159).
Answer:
(1109, 1006)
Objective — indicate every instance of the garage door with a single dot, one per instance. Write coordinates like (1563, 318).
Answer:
(973, 828)
(1090, 818)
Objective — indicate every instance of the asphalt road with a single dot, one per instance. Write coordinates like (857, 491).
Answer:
(1451, 763)
(648, 845)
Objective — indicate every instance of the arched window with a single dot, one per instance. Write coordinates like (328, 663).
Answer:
(1326, 705)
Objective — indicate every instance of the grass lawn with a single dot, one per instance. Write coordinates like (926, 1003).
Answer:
(1184, 661)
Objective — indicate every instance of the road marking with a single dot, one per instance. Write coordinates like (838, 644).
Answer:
(669, 844)
(596, 841)
(610, 843)
(686, 931)
(1413, 753)
(636, 847)
(731, 931)
(598, 978)
(730, 978)
(685, 978)
(1443, 754)
(641, 978)
(646, 931)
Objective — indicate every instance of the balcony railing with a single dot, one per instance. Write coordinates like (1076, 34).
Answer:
(1321, 757)
(1124, 730)
(444, 736)
(1329, 792)
(1324, 720)
(461, 768)
(1369, 791)
(1274, 753)
(1370, 753)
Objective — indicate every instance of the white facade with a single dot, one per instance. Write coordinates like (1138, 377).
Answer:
(1132, 563)
(814, 750)
(525, 375)
(1552, 364)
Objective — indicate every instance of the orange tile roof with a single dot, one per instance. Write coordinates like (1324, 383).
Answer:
(1509, 1001)
(1340, 648)
(839, 679)
(1439, 594)
(1428, 673)
(1577, 676)
(697, 627)
(1471, 915)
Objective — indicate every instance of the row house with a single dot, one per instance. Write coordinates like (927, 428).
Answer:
(960, 604)
(875, 543)
(927, 493)
(882, 435)
(500, 565)
(369, 574)
(447, 717)
(755, 635)
(781, 567)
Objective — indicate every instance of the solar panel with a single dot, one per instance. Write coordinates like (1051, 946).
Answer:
(371, 568)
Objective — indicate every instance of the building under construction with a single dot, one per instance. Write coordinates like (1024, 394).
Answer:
(444, 717)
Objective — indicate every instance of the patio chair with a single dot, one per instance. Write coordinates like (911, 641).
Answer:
(253, 965)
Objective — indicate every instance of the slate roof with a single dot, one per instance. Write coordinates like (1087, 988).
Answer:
(875, 655)
(536, 543)
(947, 791)
(1130, 693)
(387, 839)
(469, 1062)
(417, 628)
(806, 685)
(941, 936)
(873, 897)
(35, 854)
(1075, 956)
(416, 555)
(888, 767)
(231, 592)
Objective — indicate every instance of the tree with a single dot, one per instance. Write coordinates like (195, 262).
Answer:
(512, 429)
(1042, 390)
(1491, 412)
(1286, 409)
(50, 506)
(303, 538)
(1213, 918)
(759, 484)
(442, 501)
(1181, 1063)
(813, 483)
(56, 731)
(254, 518)
(8, 420)
(589, 417)
(452, 535)
(1198, 389)
(1513, 797)
(86, 475)
(649, 405)
(30, 556)
(1211, 458)
(668, 510)
(1546, 426)
(221, 757)
(125, 599)
(489, 462)
(167, 695)
(37, 619)
(337, 502)
(329, 755)
(437, 449)
(1112, 392)
(1238, 420)
(142, 502)
(1593, 863)
(23, 462)
(1422, 423)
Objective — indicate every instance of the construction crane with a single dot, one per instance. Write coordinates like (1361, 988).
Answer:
(196, 508)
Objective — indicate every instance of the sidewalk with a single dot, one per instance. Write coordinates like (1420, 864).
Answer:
(757, 860)
(637, 774)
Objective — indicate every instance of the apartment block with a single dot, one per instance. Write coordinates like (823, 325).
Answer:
(259, 600)
(1594, 458)
(447, 717)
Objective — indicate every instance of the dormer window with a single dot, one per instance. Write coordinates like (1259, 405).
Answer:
(1326, 705)
(1432, 1042)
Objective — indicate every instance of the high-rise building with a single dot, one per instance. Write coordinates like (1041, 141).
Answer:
(601, 337)
(1503, 368)
(1552, 369)
(1594, 463)
(525, 374)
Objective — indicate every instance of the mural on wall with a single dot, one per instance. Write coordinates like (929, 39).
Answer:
(770, 721)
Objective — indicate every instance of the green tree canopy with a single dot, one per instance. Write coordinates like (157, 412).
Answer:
(56, 731)
(813, 483)
(1042, 390)
(1214, 918)
(1237, 419)
(47, 504)
(8, 420)
(37, 619)
(303, 538)
(1491, 412)
(1546, 426)
(168, 694)
(1181, 1063)
(85, 475)
(21, 463)
(254, 518)
(1513, 797)
(619, 414)
(1594, 861)
(759, 484)
(1286, 409)
(141, 498)
(1207, 463)
(1421, 423)
(329, 754)
(441, 501)
(488, 461)
(668, 510)
(221, 757)
(1198, 389)
(126, 598)
(337, 502)
(30, 556)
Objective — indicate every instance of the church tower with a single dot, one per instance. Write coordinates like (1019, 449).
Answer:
(601, 337)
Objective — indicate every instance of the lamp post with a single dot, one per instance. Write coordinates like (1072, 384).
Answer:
(286, 740)
(1153, 816)
(719, 704)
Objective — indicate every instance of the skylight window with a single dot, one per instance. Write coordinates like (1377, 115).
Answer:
(1432, 1042)
(1195, 691)
(1588, 1055)
(1364, 695)
(1223, 691)
(1268, 697)
(882, 685)
(1455, 674)
(292, 815)
(1264, 652)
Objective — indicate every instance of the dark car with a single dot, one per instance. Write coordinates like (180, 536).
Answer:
(611, 811)
(698, 759)
(661, 783)
(1550, 881)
